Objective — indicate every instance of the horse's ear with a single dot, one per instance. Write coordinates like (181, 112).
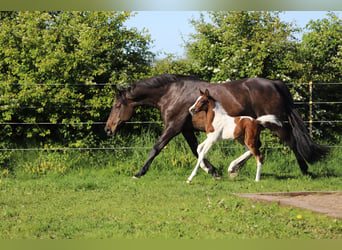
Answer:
(118, 92)
(115, 89)
(206, 92)
(201, 92)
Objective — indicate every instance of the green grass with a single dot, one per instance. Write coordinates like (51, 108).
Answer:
(91, 195)
(97, 204)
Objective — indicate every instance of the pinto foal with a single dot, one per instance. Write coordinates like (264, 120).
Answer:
(220, 126)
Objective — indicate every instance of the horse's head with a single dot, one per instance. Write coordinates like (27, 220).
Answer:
(122, 111)
(201, 104)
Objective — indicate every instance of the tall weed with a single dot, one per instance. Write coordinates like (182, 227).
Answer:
(124, 155)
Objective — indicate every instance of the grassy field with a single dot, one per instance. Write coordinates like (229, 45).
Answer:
(97, 204)
(91, 195)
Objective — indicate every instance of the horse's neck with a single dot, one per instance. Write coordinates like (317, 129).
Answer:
(145, 97)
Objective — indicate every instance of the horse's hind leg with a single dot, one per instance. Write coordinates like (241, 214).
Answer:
(285, 135)
(191, 139)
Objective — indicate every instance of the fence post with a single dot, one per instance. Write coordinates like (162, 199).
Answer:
(310, 108)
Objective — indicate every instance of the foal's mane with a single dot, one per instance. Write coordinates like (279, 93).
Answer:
(210, 114)
(155, 82)
(211, 99)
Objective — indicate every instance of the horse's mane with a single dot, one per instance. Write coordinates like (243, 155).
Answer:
(157, 82)
(162, 80)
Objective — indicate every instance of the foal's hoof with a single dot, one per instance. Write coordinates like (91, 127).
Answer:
(135, 178)
(233, 175)
(188, 181)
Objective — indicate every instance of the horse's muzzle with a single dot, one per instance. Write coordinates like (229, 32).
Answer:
(109, 132)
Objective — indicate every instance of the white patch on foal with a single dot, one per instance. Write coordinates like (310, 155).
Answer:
(193, 106)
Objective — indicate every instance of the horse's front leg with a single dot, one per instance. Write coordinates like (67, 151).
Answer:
(168, 133)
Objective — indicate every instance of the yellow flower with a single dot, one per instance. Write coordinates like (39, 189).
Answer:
(299, 216)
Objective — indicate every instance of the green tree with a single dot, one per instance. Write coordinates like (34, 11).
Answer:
(321, 55)
(322, 49)
(61, 57)
(238, 44)
(173, 65)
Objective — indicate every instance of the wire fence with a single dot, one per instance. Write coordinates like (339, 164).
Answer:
(309, 103)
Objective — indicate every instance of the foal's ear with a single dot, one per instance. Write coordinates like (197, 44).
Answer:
(201, 92)
(206, 92)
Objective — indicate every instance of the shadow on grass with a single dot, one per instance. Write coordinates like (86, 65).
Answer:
(312, 175)
(325, 174)
(280, 176)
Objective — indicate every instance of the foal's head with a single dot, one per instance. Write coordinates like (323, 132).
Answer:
(203, 103)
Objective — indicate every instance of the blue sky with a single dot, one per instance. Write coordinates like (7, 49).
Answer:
(168, 27)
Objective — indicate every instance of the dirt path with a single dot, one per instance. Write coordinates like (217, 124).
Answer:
(324, 202)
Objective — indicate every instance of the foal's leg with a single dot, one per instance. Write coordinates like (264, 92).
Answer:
(237, 163)
(203, 149)
(259, 159)
(199, 160)
(252, 140)
(191, 139)
(259, 165)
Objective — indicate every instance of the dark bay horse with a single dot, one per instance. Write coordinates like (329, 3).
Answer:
(174, 94)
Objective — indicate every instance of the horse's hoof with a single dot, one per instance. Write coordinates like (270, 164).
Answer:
(188, 181)
(135, 178)
(216, 176)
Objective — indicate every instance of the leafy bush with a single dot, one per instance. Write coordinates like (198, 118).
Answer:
(56, 67)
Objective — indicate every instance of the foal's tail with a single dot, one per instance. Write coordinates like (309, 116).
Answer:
(263, 120)
(301, 141)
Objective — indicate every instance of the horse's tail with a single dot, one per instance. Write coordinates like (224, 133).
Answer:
(301, 139)
(263, 120)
